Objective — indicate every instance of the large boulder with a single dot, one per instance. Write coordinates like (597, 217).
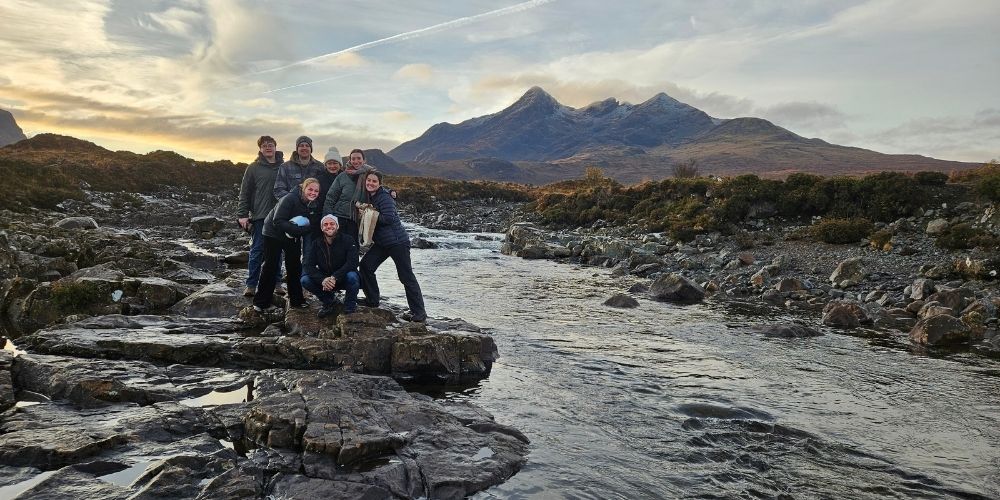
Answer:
(845, 314)
(77, 223)
(217, 300)
(676, 288)
(206, 226)
(941, 329)
(848, 273)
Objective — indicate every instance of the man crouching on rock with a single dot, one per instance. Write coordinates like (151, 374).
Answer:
(331, 264)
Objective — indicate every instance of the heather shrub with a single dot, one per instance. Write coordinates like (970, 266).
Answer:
(963, 236)
(931, 178)
(842, 230)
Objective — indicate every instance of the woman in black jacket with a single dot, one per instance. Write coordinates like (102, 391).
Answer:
(281, 233)
(391, 241)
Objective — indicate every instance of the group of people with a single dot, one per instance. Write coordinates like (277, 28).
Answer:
(310, 213)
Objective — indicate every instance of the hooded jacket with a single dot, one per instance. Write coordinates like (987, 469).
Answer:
(257, 189)
(292, 173)
(278, 222)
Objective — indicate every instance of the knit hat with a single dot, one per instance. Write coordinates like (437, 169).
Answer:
(329, 216)
(304, 139)
(333, 154)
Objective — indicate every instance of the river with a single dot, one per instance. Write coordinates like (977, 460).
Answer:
(667, 401)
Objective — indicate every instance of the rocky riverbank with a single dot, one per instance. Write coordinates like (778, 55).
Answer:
(903, 286)
(134, 368)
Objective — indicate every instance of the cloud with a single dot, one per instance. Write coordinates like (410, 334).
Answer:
(259, 102)
(397, 116)
(973, 138)
(808, 115)
(346, 60)
(419, 72)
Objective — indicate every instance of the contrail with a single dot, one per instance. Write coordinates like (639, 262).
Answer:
(462, 21)
(309, 83)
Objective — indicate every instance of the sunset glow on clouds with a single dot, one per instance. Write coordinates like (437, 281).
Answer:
(205, 78)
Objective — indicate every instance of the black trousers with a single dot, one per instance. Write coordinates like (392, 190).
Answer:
(400, 255)
(273, 248)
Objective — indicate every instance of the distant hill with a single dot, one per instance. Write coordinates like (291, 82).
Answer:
(9, 131)
(49, 168)
(538, 140)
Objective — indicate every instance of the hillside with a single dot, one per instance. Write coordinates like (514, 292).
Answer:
(10, 132)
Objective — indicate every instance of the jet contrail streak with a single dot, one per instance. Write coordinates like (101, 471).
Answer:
(309, 83)
(420, 32)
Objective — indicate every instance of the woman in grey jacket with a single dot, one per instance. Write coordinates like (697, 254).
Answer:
(281, 233)
(347, 189)
(391, 241)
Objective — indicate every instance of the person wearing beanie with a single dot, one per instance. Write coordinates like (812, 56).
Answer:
(301, 167)
(331, 264)
(256, 200)
(333, 163)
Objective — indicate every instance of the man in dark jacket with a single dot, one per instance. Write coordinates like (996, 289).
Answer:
(301, 167)
(256, 200)
(331, 264)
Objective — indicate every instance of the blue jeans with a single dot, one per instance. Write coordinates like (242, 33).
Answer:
(257, 255)
(351, 283)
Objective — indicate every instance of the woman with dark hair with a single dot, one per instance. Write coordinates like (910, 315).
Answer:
(284, 227)
(391, 241)
(347, 189)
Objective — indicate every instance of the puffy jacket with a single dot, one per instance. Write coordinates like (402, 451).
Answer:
(257, 189)
(337, 259)
(278, 222)
(344, 192)
(389, 231)
(292, 173)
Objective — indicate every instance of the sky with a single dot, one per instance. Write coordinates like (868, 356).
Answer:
(205, 78)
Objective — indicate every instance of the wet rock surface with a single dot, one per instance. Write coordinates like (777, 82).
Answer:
(141, 372)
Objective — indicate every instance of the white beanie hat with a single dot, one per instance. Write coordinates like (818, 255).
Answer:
(333, 154)
(329, 216)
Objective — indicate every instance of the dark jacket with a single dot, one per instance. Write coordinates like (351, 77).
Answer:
(292, 173)
(278, 222)
(257, 189)
(336, 259)
(326, 179)
(389, 231)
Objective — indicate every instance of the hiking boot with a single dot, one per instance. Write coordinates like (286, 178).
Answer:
(327, 310)
(279, 290)
(301, 305)
(249, 291)
(409, 317)
(261, 310)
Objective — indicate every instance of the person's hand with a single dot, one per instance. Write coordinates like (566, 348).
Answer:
(329, 283)
(244, 222)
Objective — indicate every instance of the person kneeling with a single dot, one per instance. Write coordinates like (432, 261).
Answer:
(330, 265)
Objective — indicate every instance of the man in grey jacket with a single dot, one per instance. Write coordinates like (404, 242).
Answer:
(301, 167)
(256, 200)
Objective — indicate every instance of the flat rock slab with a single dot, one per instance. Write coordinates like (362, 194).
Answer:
(362, 430)
(344, 434)
(364, 343)
(92, 382)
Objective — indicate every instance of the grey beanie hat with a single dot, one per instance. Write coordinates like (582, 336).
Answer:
(305, 139)
(330, 216)
(333, 154)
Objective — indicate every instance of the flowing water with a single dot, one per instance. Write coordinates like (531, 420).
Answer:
(667, 401)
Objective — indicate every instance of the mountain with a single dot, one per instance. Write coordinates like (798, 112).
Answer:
(549, 141)
(9, 131)
(538, 128)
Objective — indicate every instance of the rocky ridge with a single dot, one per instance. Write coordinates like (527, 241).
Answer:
(134, 368)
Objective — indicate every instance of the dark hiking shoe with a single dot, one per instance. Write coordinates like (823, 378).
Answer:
(326, 311)
(249, 291)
